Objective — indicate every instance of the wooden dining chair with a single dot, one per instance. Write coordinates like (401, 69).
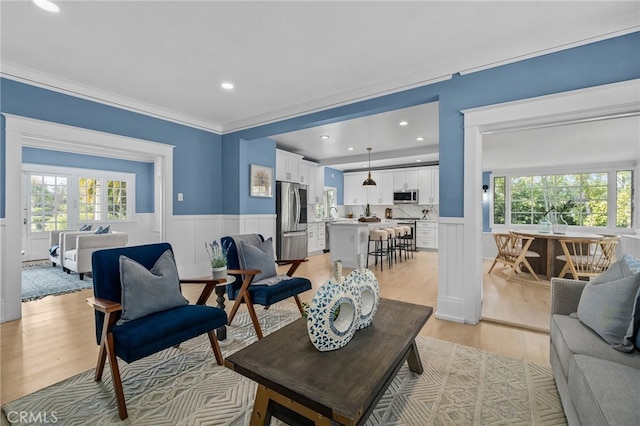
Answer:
(587, 258)
(513, 251)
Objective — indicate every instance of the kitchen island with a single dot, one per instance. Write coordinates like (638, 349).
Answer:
(348, 238)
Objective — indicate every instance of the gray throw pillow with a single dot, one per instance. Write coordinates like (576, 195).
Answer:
(259, 256)
(617, 270)
(608, 308)
(102, 230)
(147, 291)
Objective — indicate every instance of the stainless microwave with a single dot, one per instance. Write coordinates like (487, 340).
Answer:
(406, 196)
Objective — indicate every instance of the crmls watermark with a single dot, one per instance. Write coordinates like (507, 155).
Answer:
(29, 417)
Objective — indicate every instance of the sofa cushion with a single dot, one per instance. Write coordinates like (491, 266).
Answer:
(71, 255)
(569, 336)
(608, 307)
(604, 392)
(148, 291)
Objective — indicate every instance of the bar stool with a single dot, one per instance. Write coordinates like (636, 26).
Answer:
(391, 245)
(378, 237)
(399, 242)
(407, 239)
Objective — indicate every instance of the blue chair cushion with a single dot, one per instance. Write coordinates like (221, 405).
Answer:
(145, 336)
(261, 294)
(269, 294)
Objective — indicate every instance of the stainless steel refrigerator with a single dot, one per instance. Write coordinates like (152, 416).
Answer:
(291, 221)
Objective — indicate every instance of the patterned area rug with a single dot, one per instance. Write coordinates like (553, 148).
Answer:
(184, 386)
(42, 279)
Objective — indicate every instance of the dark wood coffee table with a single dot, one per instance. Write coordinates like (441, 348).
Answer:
(300, 385)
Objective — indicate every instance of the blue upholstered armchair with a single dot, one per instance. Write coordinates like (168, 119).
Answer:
(251, 260)
(139, 308)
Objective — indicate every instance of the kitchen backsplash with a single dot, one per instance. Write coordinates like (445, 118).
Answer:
(398, 211)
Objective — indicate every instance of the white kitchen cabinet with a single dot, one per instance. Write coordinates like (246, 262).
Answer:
(428, 189)
(315, 182)
(288, 166)
(354, 192)
(304, 172)
(315, 233)
(405, 179)
(322, 231)
(426, 235)
(312, 236)
(382, 193)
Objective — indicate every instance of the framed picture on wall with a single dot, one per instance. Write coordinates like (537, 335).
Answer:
(261, 181)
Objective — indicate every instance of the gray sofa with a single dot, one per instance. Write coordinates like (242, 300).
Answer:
(598, 385)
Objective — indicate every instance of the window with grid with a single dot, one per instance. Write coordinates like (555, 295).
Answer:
(596, 199)
(89, 200)
(48, 202)
(116, 200)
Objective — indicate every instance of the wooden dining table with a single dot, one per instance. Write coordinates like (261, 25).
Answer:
(546, 244)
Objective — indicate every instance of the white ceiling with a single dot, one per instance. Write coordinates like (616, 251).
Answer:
(168, 58)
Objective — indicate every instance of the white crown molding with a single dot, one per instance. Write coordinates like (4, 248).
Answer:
(345, 98)
(424, 77)
(36, 78)
(513, 59)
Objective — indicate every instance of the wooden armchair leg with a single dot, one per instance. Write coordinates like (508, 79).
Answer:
(115, 376)
(102, 358)
(234, 310)
(215, 347)
(299, 303)
(254, 320)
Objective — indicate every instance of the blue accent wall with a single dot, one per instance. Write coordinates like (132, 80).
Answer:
(335, 178)
(211, 170)
(603, 62)
(263, 153)
(143, 171)
(197, 153)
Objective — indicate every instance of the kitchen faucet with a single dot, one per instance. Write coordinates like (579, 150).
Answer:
(333, 208)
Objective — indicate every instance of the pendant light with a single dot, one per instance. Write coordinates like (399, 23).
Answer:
(369, 181)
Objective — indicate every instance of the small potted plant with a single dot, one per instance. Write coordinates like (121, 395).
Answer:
(218, 258)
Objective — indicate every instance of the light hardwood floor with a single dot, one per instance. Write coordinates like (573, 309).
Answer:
(55, 338)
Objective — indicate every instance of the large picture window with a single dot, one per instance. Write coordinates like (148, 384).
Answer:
(593, 199)
(63, 198)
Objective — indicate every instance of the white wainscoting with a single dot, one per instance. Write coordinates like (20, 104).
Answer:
(450, 269)
(188, 235)
(630, 244)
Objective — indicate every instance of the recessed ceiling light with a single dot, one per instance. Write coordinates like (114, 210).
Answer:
(226, 85)
(403, 123)
(420, 138)
(418, 161)
(324, 137)
(350, 148)
(47, 5)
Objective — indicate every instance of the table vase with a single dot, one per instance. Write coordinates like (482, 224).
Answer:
(333, 314)
(559, 224)
(544, 225)
(367, 284)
